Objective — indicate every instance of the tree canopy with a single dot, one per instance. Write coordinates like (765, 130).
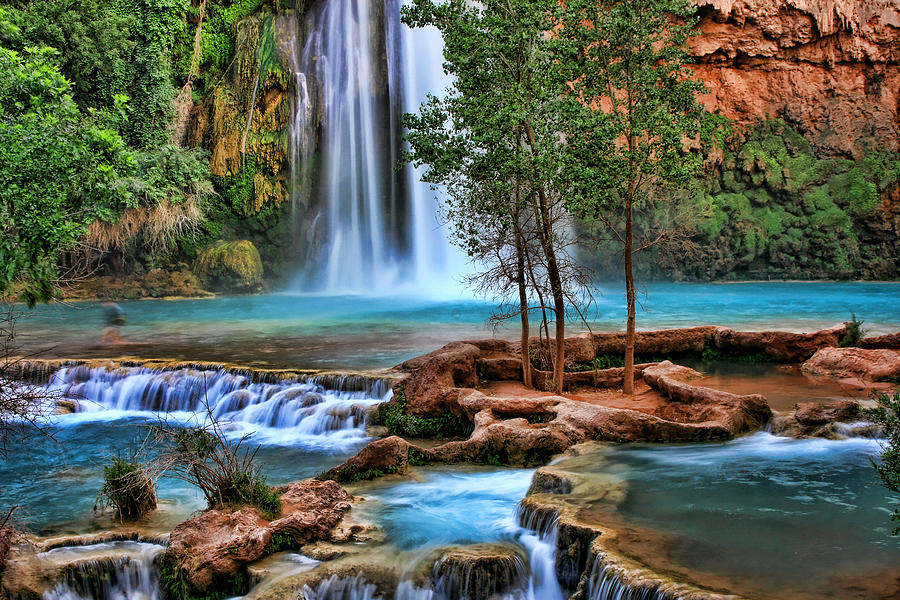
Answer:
(61, 170)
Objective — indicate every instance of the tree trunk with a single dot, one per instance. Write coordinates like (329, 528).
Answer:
(523, 308)
(628, 386)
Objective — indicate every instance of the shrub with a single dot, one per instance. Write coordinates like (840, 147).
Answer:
(225, 471)
(887, 414)
(393, 416)
(127, 487)
(854, 332)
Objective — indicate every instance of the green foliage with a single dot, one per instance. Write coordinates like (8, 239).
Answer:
(250, 489)
(172, 174)
(711, 354)
(854, 332)
(177, 587)
(110, 48)
(778, 210)
(633, 101)
(280, 542)
(366, 475)
(59, 171)
(237, 190)
(128, 488)
(887, 414)
(393, 416)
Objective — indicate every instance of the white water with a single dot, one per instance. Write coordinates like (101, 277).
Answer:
(606, 584)
(369, 228)
(303, 412)
(132, 575)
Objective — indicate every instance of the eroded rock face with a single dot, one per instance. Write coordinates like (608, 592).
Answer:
(831, 420)
(860, 363)
(213, 546)
(828, 67)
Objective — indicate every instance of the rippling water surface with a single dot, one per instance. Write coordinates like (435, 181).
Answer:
(359, 332)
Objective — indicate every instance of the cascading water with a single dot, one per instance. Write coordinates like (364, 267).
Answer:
(133, 575)
(340, 588)
(541, 546)
(369, 227)
(306, 410)
(606, 583)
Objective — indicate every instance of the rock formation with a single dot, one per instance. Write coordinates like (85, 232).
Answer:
(213, 546)
(827, 67)
(855, 363)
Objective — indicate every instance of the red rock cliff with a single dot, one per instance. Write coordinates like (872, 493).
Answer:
(827, 67)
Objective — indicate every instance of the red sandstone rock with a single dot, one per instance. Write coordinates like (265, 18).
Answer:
(882, 342)
(215, 545)
(819, 413)
(828, 67)
(779, 346)
(869, 365)
(388, 455)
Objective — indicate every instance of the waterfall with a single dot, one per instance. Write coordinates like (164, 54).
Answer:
(340, 588)
(133, 576)
(367, 227)
(540, 540)
(606, 583)
(307, 409)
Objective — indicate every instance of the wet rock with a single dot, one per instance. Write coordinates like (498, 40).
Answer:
(831, 420)
(890, 341)
(847, 363)
(213, 546)
(231, 266)
(479, 572)
(697, 404)
(381, 457)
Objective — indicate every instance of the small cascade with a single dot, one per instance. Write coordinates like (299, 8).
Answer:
(407, 590)
(305, 407)
(541, 546)
(130, 576)
(606, 583)
(466, 577)
(340, 588)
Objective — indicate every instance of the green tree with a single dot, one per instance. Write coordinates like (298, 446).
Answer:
(492, 143)
(59, 171)
(631, 111)
(887, 414)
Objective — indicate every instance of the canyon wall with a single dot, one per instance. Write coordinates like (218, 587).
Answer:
(829, 68)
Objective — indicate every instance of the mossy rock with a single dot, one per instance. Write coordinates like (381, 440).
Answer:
(231, 267)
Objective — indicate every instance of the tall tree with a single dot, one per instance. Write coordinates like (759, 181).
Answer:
(492, 142)
(633, 120)
(59, 171)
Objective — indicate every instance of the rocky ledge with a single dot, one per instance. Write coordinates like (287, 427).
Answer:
(215, 545)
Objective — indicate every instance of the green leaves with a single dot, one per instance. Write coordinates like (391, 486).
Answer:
(58, 171)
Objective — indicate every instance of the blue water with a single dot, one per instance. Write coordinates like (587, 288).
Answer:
(445, 506)
(776, 517)
(358, 332)
(56, 477)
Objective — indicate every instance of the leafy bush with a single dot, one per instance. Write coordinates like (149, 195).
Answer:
(226, 471)
(393, 416)
(854, 332)
(887, 414)
(128, 488)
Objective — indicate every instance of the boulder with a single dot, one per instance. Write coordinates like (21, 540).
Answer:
(868, 365)
(381, 457)
(213, 546)
(231, 266)
(889, 341)
(779, 346)
(821, 419)
(479, 572)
